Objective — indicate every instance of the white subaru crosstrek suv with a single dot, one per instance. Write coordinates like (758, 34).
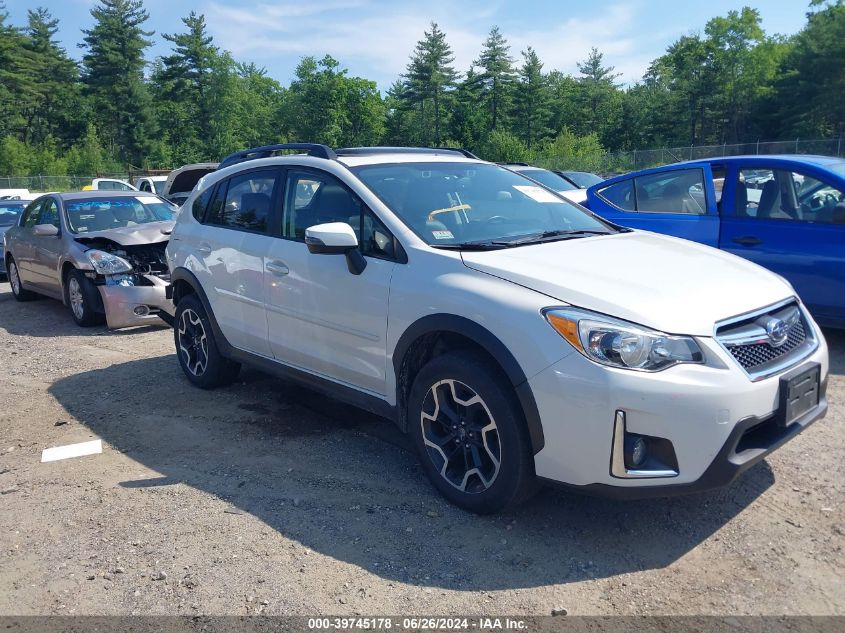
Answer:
(515, 336)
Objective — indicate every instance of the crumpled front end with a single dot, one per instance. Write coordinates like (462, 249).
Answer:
(137, 297)
(134, 305)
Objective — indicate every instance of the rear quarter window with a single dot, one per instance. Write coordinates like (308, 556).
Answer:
(620, 195)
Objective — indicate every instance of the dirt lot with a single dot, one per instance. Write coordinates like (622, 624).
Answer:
(266, 498)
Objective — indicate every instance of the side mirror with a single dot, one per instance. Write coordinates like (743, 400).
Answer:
(336, 238)
(45, 230)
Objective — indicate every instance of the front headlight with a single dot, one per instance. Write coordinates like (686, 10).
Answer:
(621, 344)
(107, 264)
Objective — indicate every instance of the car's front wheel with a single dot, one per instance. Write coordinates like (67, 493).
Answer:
(18, 291)
(470, 433)
(197, 349)
(83, 298)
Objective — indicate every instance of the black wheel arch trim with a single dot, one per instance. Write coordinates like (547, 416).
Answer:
(491, 344)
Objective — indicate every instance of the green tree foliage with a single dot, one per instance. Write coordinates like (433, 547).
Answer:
(730, 82)
(18, 83)
(183, 84)
(496, 77)
(56, 107)
(323, 105)
(532, 113)
(113, 74)
(429, 84)
(808, 94)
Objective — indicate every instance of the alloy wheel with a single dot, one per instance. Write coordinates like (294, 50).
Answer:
(74, 295)
(193, 342)
(461, 436)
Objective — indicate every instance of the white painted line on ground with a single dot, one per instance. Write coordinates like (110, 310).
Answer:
(71, 450)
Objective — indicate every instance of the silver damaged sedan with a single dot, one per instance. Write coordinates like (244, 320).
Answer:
(100, 252)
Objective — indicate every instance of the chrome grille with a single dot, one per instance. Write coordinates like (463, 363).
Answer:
(756, 354)
(757, 350)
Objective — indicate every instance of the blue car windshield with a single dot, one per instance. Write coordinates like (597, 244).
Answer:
(101, 214)
(9, 213)
(452, 203)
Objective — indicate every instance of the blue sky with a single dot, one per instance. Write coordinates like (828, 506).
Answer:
(373, 38)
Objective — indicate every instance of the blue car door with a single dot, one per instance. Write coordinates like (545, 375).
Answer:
(791, 221)
(679, 201)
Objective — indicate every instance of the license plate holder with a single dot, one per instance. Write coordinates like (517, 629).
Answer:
(799, 393)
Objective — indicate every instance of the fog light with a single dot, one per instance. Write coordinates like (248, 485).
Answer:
(141, 311)
(635, 451)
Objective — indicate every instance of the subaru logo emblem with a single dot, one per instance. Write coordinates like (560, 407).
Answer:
(778, 331)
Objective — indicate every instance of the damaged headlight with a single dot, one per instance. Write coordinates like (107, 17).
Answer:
(107, 264)
(621, 344)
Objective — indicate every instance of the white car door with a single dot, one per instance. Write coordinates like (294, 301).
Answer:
(321, 317)
(232, 247)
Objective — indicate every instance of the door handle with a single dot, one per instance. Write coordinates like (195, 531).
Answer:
(278, 268)
(204, 248)
(748, 240)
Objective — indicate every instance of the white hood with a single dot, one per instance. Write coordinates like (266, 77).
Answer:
(672, 285)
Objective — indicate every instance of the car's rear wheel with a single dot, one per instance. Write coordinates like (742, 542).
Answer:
(82, 297)
(18, 291)
(196, 348)
(470, 433)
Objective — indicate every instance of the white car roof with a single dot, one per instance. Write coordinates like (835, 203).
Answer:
(379, 159)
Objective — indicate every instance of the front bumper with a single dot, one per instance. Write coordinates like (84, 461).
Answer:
(719, 422)
(120, 303)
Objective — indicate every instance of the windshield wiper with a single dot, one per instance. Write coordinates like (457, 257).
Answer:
(548, 236)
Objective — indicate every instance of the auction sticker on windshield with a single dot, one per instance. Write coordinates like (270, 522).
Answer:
(537, 193)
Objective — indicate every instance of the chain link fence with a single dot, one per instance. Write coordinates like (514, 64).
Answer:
(605, 163)
(609, 163)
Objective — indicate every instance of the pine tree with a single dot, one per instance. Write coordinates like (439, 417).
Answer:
(497, 77)
(187, 72)
(58, 110)
(532, 100)
(430, 81)
(18, 89)
(114, 76)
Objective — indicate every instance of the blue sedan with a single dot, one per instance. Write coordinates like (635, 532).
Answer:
(786, 213)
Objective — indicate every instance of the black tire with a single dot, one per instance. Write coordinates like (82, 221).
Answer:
(18, 291)
(458, 430)
(83, 299)
(196, 349)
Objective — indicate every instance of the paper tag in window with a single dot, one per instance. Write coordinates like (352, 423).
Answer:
(147, 200)
(537, 193)
(442, 235)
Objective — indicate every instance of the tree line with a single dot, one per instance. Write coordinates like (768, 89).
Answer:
(114, 109)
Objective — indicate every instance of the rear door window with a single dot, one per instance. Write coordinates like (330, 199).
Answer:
(671, 192)
(242, 202)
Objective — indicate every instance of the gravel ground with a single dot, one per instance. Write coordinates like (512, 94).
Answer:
(267, 498)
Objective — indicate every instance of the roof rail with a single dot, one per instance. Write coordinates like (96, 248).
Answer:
(370, 151)
(462, 151)
(265, 151)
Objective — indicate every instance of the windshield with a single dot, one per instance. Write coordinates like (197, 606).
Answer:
(101, 214)
(549, 178)
(583, 179)
(455, 203)
(9, 213)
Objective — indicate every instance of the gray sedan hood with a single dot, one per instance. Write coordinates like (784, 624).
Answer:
(150, 233)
